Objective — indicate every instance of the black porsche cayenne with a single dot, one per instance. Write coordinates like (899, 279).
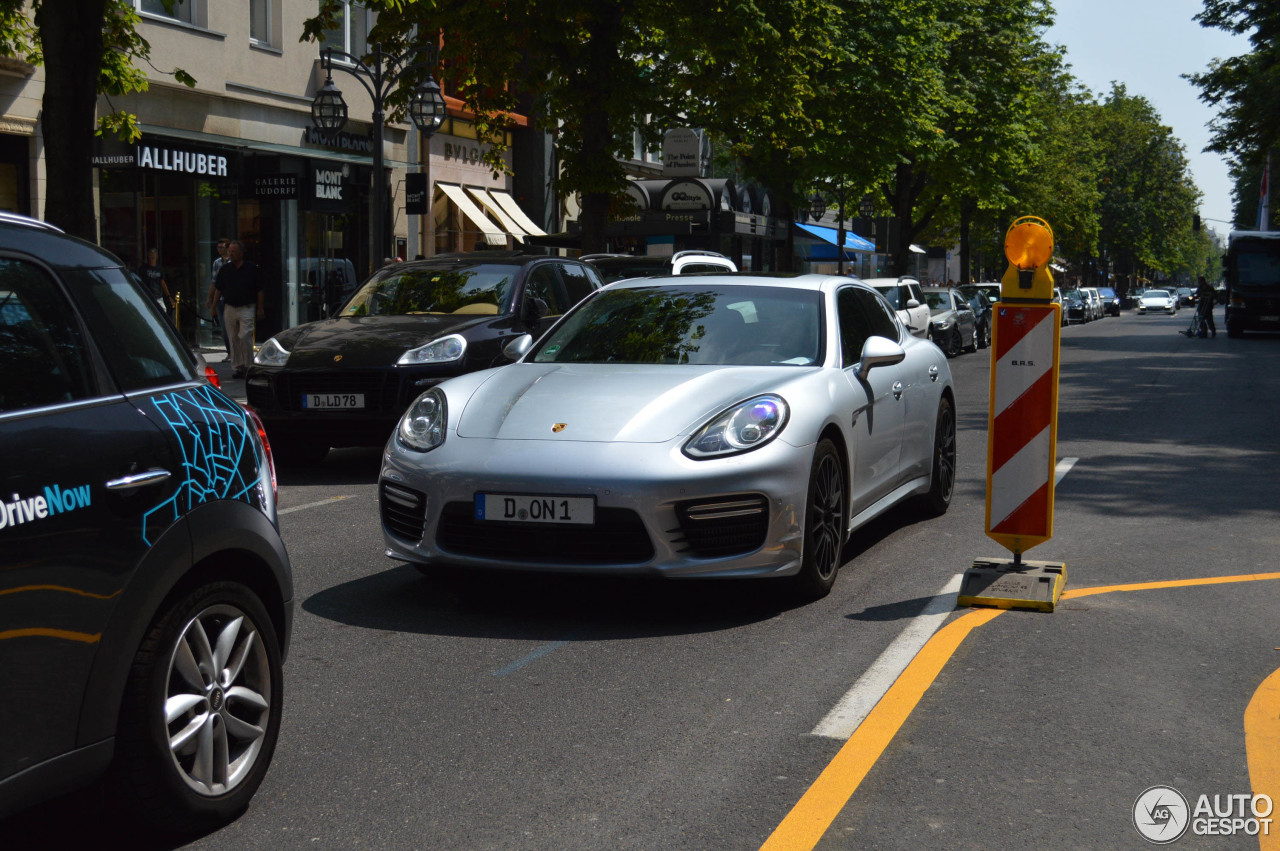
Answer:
(346, 380)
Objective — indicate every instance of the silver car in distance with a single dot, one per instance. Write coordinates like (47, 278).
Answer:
(689, 427)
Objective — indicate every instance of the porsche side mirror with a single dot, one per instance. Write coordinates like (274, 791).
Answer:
(879, 351)
(518, 347)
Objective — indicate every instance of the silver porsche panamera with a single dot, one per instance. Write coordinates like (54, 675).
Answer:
(717, 426)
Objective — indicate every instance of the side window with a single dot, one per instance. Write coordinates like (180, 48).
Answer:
(914, 291)
(578, 282)
(141, 349)
(855, 326)
(45, 358)
(880, 317)
(545, 286)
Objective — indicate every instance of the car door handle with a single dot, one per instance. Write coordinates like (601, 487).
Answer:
(933, 372)
(897, 389)
(138, 480)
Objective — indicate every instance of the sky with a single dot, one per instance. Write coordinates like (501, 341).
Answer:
(1147, 45)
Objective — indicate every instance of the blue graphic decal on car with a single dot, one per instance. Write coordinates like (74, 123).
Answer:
(214, 436)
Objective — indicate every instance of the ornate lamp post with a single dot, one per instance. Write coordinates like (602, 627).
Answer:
(379, 76)
(839, 193)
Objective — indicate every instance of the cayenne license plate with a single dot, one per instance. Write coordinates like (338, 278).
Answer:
(533, 508)
(332, 400)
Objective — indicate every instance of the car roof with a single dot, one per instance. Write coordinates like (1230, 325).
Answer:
(62, 251)
(454, 260)
(814, 282)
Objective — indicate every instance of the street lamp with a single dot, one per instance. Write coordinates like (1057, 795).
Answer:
(383, 73)
(840, 194)
(817, 206)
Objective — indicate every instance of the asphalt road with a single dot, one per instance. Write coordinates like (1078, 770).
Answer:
(512, 712)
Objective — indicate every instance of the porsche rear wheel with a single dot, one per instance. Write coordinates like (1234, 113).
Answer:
(824, 523)
(942, 479)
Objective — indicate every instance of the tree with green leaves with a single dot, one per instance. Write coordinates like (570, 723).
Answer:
(593, 73)
(1243, 89)
(87, 48)
(992, 74)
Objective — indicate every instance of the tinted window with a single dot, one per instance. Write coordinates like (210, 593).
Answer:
(140, 346)
(914, 291)
(893, 296)
(694, 268)
(881, 318)
(691, 325)
(855, 324)
(578, 282)
(544, 285)
(41, 346)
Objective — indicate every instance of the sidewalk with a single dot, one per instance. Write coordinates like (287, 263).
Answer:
(217, 358)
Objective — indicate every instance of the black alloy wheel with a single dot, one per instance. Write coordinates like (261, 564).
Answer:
(942, 478)
(951, 345)
(824, 525)
(984, 335)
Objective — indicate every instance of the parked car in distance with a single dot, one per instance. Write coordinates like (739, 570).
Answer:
(1186, 295)
(906, 297)
(1056, 298)
(701, 426)
(345, 381)
(1110, 301)
(980, 302)
(1075, 310)
(1154, 300)
(955, 327)
(617, 267)
(146, 596)
(1094, 301)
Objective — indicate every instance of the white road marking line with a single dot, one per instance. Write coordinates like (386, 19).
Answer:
(1064, 467)
(312, 504)
(853, 708)
(534, 656)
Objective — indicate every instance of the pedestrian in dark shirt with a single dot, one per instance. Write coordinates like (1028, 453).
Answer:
(239, 282)
(1205, 297)
(152, 274)
(216, 306)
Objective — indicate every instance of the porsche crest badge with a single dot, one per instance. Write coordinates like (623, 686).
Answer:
(559, 427)
(337, 358)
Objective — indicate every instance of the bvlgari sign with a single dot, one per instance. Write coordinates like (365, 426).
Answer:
(158, 155)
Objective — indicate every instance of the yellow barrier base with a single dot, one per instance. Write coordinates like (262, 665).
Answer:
(1006, 584)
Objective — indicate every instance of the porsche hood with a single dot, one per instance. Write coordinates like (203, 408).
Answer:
(603, 403)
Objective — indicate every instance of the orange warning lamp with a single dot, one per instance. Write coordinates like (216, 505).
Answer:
(1029, 247)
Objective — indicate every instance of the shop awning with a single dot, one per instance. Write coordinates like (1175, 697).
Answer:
(508, 224)
(492, 235)
(509, 204)
(852, 242)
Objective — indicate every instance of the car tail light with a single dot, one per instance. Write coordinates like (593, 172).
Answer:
(266, 449)
(212, 376)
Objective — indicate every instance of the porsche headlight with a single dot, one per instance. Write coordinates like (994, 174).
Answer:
(746, 426)
(423, 426)
(271, 353)
(445, 349)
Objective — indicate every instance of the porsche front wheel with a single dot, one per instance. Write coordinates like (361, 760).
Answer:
(824, 523)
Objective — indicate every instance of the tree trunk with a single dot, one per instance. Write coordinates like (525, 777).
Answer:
(968, 206)
(70, 30)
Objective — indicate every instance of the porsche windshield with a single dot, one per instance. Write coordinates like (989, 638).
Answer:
(744, 325)
(472, 289)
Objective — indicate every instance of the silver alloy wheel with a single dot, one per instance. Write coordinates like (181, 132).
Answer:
(217, 702)
(826, 515)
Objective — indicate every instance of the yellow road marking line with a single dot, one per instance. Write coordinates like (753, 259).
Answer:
(1261, 745)
(25, 588)
(37, 631)
(818, 807)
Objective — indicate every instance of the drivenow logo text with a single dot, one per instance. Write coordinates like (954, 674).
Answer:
(55, 500)
(1161, 814)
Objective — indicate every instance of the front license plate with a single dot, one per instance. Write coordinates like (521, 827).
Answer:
(532, 508)
(1269, 318)
(332, 400)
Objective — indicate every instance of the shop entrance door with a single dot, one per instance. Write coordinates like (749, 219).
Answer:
(328, 274)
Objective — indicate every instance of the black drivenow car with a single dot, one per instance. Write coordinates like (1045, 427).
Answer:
(346, 380)
(146, 598)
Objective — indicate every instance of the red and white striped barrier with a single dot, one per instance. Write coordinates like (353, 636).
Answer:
(1022, 433)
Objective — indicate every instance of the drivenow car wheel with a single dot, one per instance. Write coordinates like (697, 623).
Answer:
(942, 479)
(824, 523)
(201, 711)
